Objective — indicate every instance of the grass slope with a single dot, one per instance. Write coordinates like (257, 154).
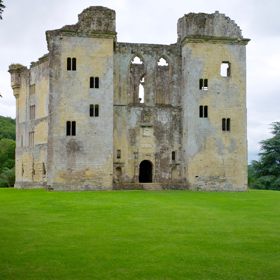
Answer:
(139, 235)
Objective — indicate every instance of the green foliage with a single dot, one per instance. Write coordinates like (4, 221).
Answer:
(7, 128)
(139, 235)
(266, 171)
(7, 154)
(1, 8)
(7, 178)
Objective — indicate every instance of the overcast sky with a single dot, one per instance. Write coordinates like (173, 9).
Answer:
(22, 40)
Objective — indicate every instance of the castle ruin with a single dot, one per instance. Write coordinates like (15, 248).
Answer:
(92, 117)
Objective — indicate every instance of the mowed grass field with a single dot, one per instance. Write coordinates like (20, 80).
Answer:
(139, 235)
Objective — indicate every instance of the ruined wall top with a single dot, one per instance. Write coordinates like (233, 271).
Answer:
(208, 25)
(92, 21)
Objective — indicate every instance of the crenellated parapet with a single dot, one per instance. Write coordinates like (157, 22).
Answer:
(15, 70)
(214, 27)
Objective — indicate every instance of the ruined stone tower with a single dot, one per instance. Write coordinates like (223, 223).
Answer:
(92, 117)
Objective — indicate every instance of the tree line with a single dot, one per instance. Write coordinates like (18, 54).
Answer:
(7, 151)
(265, 172)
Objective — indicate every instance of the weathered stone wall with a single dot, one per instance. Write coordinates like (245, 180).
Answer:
(186, 150)
(214, 159)
(31, 89)
(83, 161)
(150, 130)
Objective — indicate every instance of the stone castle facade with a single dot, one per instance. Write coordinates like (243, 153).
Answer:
(91, 117)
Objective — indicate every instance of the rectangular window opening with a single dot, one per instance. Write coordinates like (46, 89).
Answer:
(228, 124)
(44, 168)
(118, 153)
(68, 63)
(68, 128)
(91, 110)
(203, 84)
(173, 155)
(73, 128)
(223, 124)
(91, 82)
(201, 111)
(96, 111)
(205, 111)
(96, 85)
(73, 64)
(225, 69)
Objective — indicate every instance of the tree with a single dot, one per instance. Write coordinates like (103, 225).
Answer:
(7, 154)
(267, 169)
(7, 128)
(1, 8)
(7, 177)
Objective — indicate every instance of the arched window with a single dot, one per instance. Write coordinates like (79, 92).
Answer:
(163, 78)
(137, 80)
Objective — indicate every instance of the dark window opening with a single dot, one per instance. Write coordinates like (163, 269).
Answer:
(225, 69)
(173, 155)
(201, 111)
(146, 172)
(91, 82)
(223, 124)
(96, 82)
(68, 63)
(70, 128)
(91, 109)
(205, 111)
(22, 170)
(44, 169)
(73, 128)
(228, 124)
(203, 84)
(73, 64)
(96, 111)
(118, 153)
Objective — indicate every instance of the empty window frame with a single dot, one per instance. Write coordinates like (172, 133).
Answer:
(71, 64)
(173, 155)
(94, 110)
(118, 153)
(32, 112)
(203, 84)
(70, 128)
(44, 171)
(141, 90)
(94, 82)
(31, 139)
(225, 69)
(32, 89)
(226, 124)
(203, 111)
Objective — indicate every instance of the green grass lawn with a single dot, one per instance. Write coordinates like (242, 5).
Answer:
(139, 235)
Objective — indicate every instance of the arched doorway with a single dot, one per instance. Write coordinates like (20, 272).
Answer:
(146, 172)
